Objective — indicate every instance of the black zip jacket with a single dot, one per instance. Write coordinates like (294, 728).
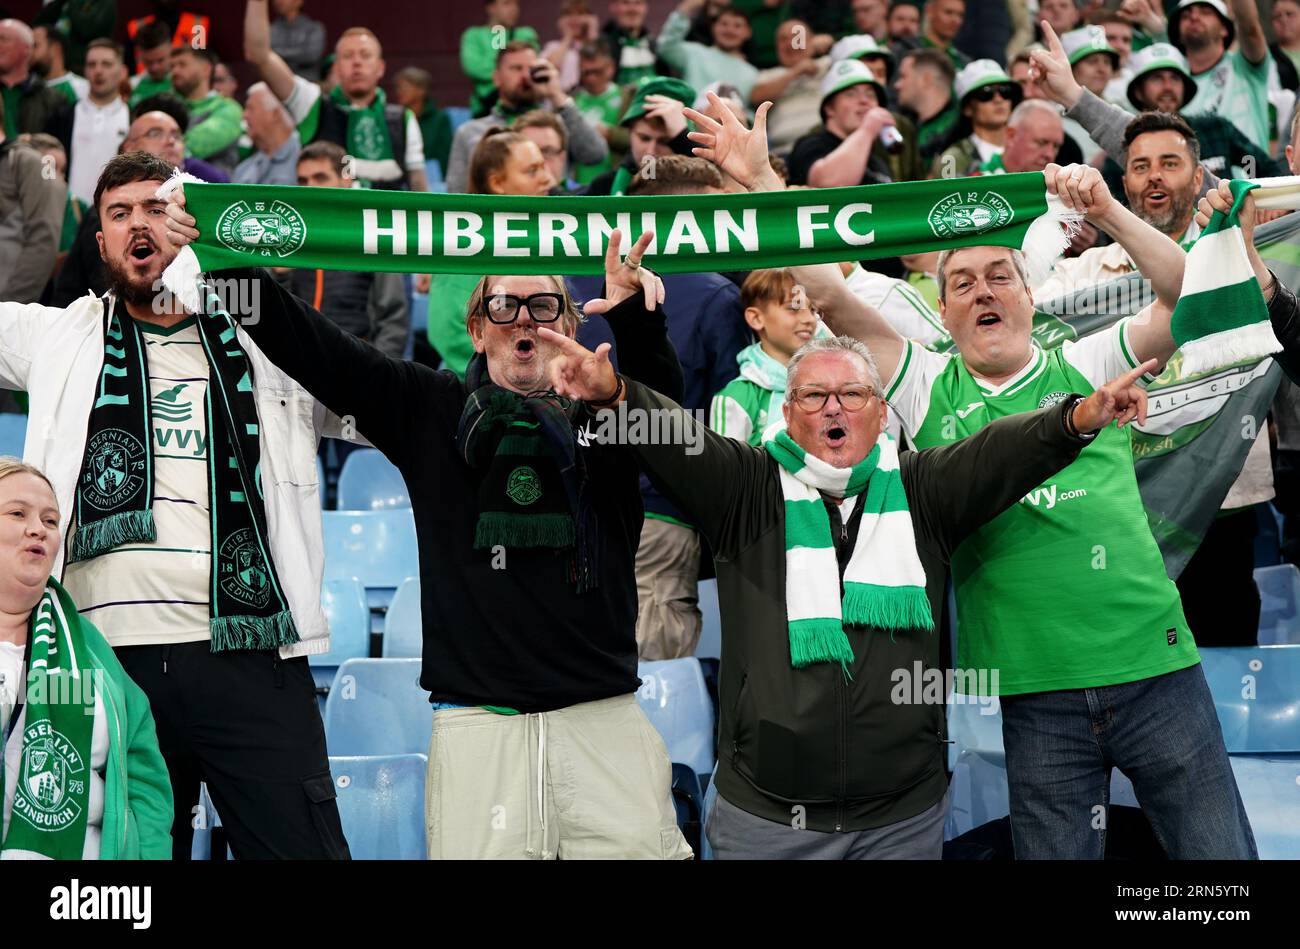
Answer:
(515, 633)
(807, 742)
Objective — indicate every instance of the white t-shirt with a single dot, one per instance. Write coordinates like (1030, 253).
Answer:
(899, 303)
(97, 132)
(158, 593)
(13, 671)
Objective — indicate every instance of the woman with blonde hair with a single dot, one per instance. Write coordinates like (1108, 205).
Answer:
(82, 775)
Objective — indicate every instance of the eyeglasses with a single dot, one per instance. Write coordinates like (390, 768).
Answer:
(852, 398)
(504, 307)
(987, 93)
(157, 135)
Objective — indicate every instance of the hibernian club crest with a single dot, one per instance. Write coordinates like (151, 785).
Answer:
(968, 213)
(523, 486)
(269, 228)
(53, 771)
(116, 471)
(242, 571)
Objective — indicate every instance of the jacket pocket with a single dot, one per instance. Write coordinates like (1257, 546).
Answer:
(322, 802)
(288, 440)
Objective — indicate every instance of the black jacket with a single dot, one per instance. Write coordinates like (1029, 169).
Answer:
(520, 636)
(841, 749)
(1284, 313)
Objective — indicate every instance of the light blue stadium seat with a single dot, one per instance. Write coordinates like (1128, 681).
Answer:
(676, 700)
(376, 707)
(13, 429)
(381, 805)
(437, 187)
(376, 547)
(433, 170)
(370, 482)
(1270, 789)
(403, 631)
(344, 603)
(1279, 604)
(1257, 697)
(710, 645)
(458, 114)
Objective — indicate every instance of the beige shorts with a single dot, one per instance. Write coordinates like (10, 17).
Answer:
(668, 619)
(591, 781)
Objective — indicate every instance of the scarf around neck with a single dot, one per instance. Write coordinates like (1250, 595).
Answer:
(115, 489)
(884, 582)
(367, 127)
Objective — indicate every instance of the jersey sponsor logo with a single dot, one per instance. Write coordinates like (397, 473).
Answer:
(1048, 496)
(243, 574)
(166, 405)
(523, 486)
(962, 413)
(50, 767)
(115, 474)
(272, 228)
(968, 213)
(169, 406)
(1171, 636)
(1052, 398)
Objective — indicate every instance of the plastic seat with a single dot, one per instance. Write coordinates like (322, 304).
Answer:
(1256, 696)
(1279, 604)
(458, 114)
(344, 603)
(710, 644)
(433, 171)
(1270, 789)
(381, 805)
(370, 482)
(376, 547)
(13, 431)
(376, 707)
(403, 631)
(675, 699)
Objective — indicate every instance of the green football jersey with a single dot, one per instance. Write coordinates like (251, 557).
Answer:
(1067, 589)
(743, 410)
(1238, 90)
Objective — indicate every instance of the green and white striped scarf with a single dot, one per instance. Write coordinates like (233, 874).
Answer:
(1221, 318)
(884, 582)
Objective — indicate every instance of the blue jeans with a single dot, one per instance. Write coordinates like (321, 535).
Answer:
(1162, 732)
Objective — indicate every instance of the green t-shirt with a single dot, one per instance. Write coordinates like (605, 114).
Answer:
(448, 295)
(147, 87)
(72, 86)
(13, 97)
(1238, 91)
(73, 211)
(1067, 589)
(602, 108)
(930, 135)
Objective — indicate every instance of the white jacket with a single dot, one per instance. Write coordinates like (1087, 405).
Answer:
(56, 356)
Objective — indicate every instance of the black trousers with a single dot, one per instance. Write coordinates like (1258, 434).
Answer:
(247, 723)
(1220, 599)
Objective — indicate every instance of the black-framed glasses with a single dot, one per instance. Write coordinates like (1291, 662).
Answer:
(987, 93)
(852, 398)
(543, 307)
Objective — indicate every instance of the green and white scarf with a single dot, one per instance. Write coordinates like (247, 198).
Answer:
(413, 232)
(884, 582)
(52, 786)
(758, 367)
(368, 137)
(1221, 318)
(115, 490)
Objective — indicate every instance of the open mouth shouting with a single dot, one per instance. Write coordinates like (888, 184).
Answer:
(140, 253)
(525, 349)
(835, 435)
(1156, 199)
(988, 319)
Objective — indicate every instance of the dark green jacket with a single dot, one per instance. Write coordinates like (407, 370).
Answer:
(788, 738)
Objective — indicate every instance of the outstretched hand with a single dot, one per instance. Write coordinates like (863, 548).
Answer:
(577, 372)
(1121, 399)
(723, 139)
(181, 229)
(1051, 69)
(625, 277)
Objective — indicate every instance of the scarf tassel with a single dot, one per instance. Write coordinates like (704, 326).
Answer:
(252, 632)
(523, 530)
(889, 608)
(99, 537)
(819, 640)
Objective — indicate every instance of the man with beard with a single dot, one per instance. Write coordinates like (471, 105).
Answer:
(520, 91)
(528, 529)
(187, 461)
(49, 61)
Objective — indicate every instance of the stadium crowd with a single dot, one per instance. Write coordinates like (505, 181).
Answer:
(872, 430)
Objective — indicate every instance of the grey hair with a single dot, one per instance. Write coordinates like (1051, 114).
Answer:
(835, 344)
(1017, 260)
(1032, 105)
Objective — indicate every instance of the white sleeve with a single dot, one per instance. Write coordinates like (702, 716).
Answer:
(1104, 355)
(22, 327)
(414, 143)
(909, 392)
(727, 417)
(908, 313)
(304, 96)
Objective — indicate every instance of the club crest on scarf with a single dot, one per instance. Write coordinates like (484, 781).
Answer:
(967, 214)
(53, 776)
(523, 486)
(262, 228)
(116, 471)
(242, 570)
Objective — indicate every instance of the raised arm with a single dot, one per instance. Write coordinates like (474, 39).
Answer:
(959, 487)
(1102, 120)
(1250, 31)
(672, 46)
(742, 153)
(845, 166)
(1156, 256)
(257, 50)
